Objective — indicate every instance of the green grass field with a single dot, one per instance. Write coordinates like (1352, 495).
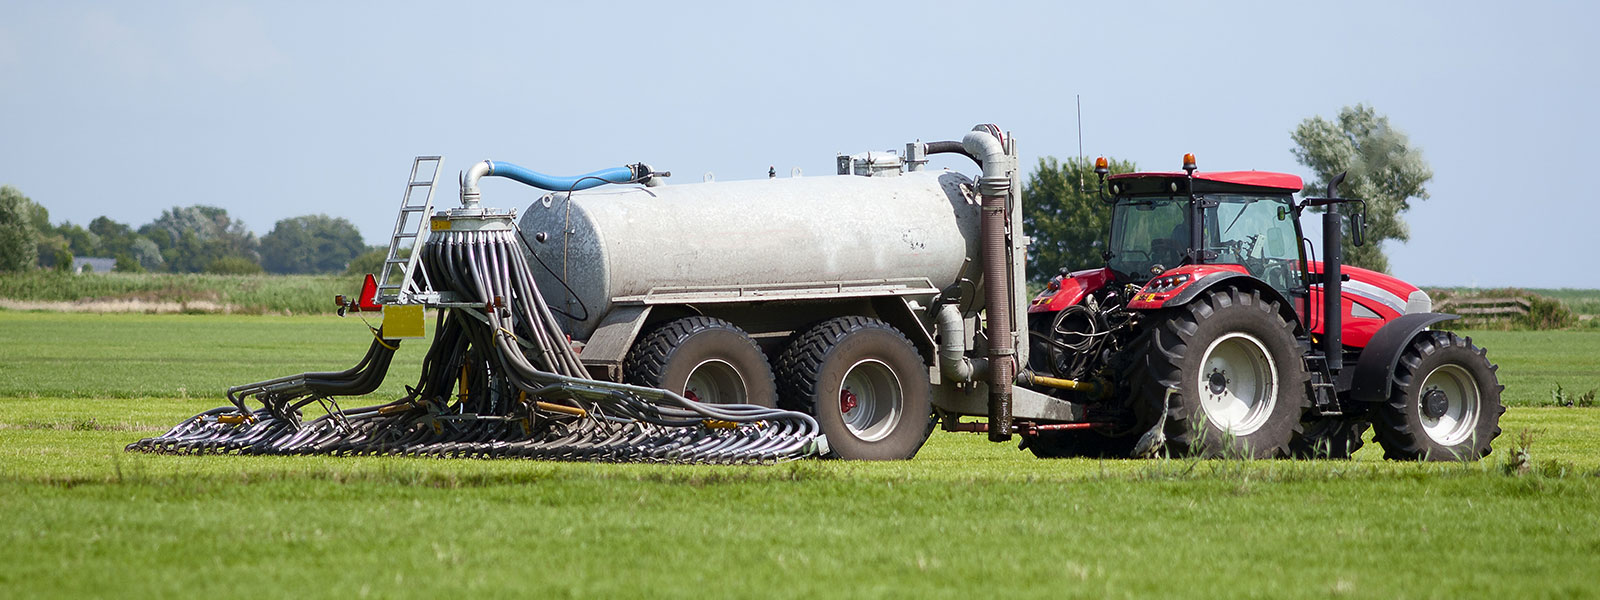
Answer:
(82, 518)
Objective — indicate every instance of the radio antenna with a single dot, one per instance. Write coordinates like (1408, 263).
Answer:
(1080, 142)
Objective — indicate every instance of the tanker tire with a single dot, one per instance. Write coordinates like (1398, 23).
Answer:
(726, 365)
(1239, 334)
(1440, 361)
(892, 413)
(1331, 438)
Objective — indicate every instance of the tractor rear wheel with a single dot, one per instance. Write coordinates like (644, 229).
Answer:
(704, 359)
(1445, 402)
(866, 385)
(1228, 371)
(1331, 437)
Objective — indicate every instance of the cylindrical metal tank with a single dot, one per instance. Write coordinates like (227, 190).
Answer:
(811, 231)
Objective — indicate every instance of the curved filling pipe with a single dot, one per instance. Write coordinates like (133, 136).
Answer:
(954, 365)
(984, 142)
(489, 168)
(950, 148)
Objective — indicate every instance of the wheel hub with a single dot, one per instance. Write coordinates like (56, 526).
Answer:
(1435, 403)
(1217, 382)
(847, 401)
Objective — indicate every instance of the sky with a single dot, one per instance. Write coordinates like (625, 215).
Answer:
(278, 109)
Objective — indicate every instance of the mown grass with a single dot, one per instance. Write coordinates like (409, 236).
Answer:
(80, 517)
(250, 294)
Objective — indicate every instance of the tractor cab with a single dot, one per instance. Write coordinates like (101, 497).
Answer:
(1242, 219)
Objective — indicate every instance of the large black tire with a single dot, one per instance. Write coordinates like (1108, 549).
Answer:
(1237, 377)
(1330, 437)
(866, 385)
(1445, 402)
(704, 359)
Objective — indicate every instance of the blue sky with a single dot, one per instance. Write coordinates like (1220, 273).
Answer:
(279, 109)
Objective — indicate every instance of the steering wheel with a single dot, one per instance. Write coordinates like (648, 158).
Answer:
(1275, 272)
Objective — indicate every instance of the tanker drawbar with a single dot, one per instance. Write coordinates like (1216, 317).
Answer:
(500, 379)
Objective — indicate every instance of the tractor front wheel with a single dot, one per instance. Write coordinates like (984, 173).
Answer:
(1445, 403)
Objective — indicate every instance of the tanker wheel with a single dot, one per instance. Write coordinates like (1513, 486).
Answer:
(1228, 370)
(866, 385)
(704, 359)
(1331, 437)
(1445, 402)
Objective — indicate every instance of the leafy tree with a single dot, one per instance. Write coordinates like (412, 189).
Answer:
(1068, 222)
(18, 249)
(146, 254)
(80, 241)
(311, 244)
(191, 237)
(116, 239)
(1384, 169)
(126, 263)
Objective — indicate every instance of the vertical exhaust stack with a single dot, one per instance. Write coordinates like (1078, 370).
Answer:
(1333, 280)
(986, 143)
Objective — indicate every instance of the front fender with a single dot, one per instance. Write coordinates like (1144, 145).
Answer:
(1375, 367)
(1242, 280)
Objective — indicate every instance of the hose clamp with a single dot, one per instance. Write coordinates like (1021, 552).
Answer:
(994, 186)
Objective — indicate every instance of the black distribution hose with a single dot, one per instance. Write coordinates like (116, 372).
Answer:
(498, 381)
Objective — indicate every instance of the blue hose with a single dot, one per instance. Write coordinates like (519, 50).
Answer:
(561, 184)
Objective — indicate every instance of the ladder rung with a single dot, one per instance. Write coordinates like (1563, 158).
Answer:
(398, 261)
(413, 208)
(405, 235)
(421, 184)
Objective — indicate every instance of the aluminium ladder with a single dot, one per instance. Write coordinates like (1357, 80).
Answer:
(398, 284)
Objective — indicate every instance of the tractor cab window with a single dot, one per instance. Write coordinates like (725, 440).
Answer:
(1257, 232)
(1146, 233)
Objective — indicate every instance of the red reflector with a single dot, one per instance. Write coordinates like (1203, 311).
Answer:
(368, 301)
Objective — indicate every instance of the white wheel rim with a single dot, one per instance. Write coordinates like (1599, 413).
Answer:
(715, 382)
(1238, 383)
(1459, 419)
(878, 400)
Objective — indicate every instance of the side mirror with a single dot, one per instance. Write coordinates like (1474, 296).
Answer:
(1358, 228)
(1283, 213)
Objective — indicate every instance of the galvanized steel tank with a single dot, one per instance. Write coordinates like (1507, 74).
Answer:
(802, 232)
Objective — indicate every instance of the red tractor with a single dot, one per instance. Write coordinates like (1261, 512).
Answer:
(1210, 331)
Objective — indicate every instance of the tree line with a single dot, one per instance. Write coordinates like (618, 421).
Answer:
(183, 239)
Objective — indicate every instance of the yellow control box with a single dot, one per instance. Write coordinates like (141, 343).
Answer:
(403, 322)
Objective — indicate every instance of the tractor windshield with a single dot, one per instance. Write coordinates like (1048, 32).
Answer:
(1147, 233)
